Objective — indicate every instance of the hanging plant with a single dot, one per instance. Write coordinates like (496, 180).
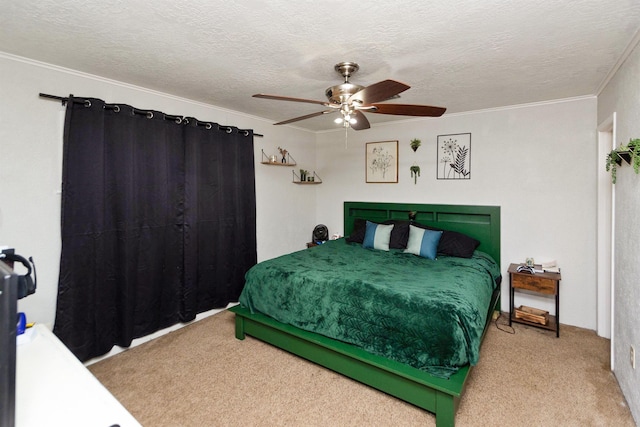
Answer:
(634, 149)
(415, 143)
(612, 162)
(629, 152)
(415, 173)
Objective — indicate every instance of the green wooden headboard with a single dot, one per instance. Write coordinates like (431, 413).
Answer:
(480, 222)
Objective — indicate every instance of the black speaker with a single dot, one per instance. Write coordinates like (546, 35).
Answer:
(26, 285)
(320, 233)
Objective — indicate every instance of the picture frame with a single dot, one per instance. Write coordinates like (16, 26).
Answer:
(381, 162)
(454, 156)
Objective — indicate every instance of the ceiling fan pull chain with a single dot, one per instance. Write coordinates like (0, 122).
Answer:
(346, 137)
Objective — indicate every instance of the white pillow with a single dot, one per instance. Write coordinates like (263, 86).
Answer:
(377, 236)
(423, 242)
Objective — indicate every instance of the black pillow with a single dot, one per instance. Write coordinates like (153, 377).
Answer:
(399, 234)
(359, 230)
(457, 244)
(453, 243)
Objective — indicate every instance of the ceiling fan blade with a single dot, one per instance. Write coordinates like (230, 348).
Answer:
(408, 110)
(287, 98)
(380, 91)
(361, 121)
(308, 116)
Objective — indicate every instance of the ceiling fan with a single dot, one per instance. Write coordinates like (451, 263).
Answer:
(352, 100)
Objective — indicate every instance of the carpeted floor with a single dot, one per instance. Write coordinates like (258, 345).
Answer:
(201, 375)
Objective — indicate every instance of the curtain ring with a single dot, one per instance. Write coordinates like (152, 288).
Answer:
(175, 119)
(87, 103)
(116, 108)
(229, 130)
(208, 126)
(246, 133)
(149, 114)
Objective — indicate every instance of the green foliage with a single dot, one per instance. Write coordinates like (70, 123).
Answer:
(415, 173)
(611, 164)
(634, 148)
(629, 152)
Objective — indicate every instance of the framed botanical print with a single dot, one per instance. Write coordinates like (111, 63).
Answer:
(454, 156)
(381, 160)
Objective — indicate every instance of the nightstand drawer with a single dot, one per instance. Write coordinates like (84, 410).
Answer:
(534, 283)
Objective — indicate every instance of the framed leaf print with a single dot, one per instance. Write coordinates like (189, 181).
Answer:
(454, 156)
(382, 162)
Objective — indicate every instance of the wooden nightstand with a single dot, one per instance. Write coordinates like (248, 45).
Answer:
(542, 283)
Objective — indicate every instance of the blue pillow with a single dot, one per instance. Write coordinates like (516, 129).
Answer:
(423, 242)
(377, 236)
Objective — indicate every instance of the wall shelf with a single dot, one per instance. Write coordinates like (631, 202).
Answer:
(316, 179)
(269, 160)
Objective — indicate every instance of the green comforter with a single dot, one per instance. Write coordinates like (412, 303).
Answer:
(429, 314)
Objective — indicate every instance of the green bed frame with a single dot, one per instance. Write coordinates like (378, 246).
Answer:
(437, 395)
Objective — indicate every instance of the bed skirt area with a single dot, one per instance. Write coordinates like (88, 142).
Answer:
(437, 395)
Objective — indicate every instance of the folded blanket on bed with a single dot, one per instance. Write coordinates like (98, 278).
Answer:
(429, 314)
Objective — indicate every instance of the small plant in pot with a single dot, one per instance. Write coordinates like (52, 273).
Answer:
(415, 173)
(629, 152)
(415, 143)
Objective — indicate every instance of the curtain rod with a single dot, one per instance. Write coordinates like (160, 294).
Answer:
(64, 100)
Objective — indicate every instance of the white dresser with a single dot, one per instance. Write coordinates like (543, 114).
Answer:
(53, 388)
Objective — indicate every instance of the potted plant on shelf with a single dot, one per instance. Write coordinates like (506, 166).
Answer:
(629, 152)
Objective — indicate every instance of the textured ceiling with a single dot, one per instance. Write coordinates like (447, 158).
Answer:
(463, 55)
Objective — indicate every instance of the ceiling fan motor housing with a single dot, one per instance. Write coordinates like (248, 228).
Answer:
(342, 92)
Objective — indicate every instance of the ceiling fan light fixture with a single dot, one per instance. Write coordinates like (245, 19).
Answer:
(352, 100)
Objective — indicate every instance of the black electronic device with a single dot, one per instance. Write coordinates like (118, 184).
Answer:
(525, 269)
(26, 285)
(320, 233)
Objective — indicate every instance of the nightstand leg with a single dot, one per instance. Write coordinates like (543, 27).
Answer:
(510, 300)
(557, 314)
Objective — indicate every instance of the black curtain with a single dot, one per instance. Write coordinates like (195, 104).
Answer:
(158, 222)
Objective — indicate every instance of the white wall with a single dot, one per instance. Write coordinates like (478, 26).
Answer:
(537, 162)
(622, 96)
(31, 131)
